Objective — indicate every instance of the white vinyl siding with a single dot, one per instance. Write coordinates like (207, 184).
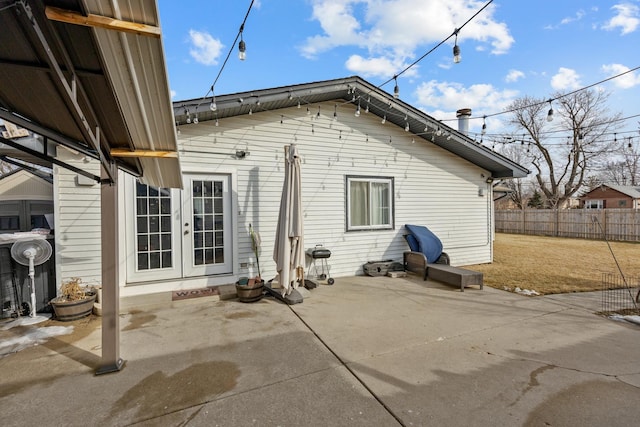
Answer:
(78, 222)
(432, 187)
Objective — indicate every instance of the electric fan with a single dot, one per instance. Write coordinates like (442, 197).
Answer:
(31, 253)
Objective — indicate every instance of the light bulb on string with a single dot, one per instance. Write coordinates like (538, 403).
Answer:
(242, 47)
(550, 113)
(406, 127)
(457, 57)
(484, 125)
(384, 119)
(396, 89)
(357, 113)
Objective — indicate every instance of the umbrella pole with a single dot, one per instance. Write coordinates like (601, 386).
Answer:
(254, 243)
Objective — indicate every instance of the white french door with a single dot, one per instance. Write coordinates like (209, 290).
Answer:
(173, 234)
(206, 225)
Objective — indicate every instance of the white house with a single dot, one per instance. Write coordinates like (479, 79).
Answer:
(371, 163)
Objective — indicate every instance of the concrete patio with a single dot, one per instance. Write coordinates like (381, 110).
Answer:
(366, 351)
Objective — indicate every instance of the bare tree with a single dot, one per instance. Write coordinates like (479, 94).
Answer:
(520, 187)
(561, 168)
(625, 168)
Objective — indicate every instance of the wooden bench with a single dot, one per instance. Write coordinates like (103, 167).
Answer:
(416, 262)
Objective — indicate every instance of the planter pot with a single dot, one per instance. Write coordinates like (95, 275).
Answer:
(72, 310)
(250, 293)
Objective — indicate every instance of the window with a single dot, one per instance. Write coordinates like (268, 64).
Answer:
(593, 204)
(369, 203)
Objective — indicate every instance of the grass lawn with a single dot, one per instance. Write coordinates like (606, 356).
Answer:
(551, 265)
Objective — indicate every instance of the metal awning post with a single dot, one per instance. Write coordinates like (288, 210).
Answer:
(111, 361)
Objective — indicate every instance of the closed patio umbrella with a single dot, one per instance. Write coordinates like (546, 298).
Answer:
(288, 251)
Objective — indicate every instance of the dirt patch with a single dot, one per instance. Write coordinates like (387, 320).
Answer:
(551, 265)
(160, 394)
(139, 319)
(240, 315)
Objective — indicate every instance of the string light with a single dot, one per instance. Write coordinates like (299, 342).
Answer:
(213, 106)
(456, 49)
(357, 113)
(550, 113)
(242, 46)
(396, 89)
(484, 125)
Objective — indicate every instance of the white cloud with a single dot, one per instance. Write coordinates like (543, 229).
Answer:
(578, 16)
(514, 76)
(205, 49)
(400, 30)
(627, 18)
(368, 67)
(569, 19)
(450, 97)
(626, 81)
(173, 93)
(565, 79)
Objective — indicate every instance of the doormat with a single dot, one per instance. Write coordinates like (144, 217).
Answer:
(193, 293)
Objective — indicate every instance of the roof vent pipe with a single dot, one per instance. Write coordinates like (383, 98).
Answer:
(463, 120)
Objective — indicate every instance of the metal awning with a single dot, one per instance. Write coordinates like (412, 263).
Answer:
(90, 75)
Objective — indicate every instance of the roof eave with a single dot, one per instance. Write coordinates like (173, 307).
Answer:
(354, 90)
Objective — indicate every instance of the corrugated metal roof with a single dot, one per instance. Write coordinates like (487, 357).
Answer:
(353, 90)
(122, 86)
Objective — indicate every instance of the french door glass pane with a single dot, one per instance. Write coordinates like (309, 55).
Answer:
(153, 228)
(207, 219)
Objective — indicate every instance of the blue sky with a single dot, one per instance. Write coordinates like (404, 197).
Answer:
(512, 49)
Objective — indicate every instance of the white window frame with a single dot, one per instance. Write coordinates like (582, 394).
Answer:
(589, 204)
(390, 202)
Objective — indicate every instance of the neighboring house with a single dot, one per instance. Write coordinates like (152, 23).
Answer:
(370, 164)
(25, 199)
(612, 197)
(26, 203)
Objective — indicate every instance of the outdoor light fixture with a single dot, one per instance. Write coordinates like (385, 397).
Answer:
(213, 106)
(550, 113)
(484, 125)
(456, 49)
(384, 119)
(242, 47)
(406, 127)
(396, 89)
(357, 113)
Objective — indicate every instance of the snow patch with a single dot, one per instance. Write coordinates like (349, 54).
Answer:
(621, 318)
(32, 337)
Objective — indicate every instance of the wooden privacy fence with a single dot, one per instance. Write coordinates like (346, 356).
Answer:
(614, 224)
